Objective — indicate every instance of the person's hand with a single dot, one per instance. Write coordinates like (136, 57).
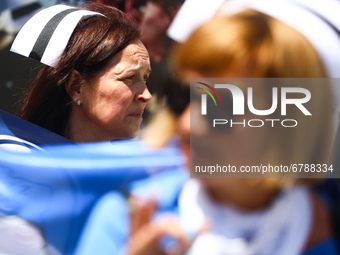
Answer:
(146, 233)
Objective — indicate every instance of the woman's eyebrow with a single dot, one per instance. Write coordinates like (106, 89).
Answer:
(131, 70)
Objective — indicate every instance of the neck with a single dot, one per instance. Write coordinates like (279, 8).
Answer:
(242, 195)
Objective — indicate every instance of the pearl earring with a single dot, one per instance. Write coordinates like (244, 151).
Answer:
(78, 102)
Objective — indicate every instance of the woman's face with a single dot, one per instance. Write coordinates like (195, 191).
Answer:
(112, 106)
(203, 146)
(239, 145)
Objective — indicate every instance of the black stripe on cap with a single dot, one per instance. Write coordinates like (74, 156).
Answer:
(24, 10)
(46, 34)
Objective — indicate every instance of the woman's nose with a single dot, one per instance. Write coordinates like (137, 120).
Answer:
(144, 96)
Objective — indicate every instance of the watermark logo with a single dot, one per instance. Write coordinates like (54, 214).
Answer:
(204, 97)
(239, 99)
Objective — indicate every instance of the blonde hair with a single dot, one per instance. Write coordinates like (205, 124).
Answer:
(252, 41)
(252, 44)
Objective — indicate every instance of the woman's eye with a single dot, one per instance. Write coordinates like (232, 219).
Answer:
(130, 77)
(146, 78)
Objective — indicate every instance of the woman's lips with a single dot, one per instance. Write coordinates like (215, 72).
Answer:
(138, 114)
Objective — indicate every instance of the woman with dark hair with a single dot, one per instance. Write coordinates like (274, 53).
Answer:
(93, 88)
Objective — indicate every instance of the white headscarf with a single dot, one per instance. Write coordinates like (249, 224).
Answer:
(45, 36)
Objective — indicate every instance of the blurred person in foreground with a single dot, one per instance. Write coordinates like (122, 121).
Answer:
(243, 215)
(259, 216)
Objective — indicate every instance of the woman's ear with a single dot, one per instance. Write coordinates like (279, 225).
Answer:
(73, 85)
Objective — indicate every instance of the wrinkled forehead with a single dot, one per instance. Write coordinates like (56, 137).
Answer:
(136, 51)
(133, 57)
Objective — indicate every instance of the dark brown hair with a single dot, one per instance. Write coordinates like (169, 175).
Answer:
(94, 42)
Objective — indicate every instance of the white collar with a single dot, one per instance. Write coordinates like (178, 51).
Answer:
(281, 229)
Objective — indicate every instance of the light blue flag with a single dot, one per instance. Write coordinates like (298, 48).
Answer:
(55, 188)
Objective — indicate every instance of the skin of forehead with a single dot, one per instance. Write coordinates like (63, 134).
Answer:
(136, 48)
(135, 54)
